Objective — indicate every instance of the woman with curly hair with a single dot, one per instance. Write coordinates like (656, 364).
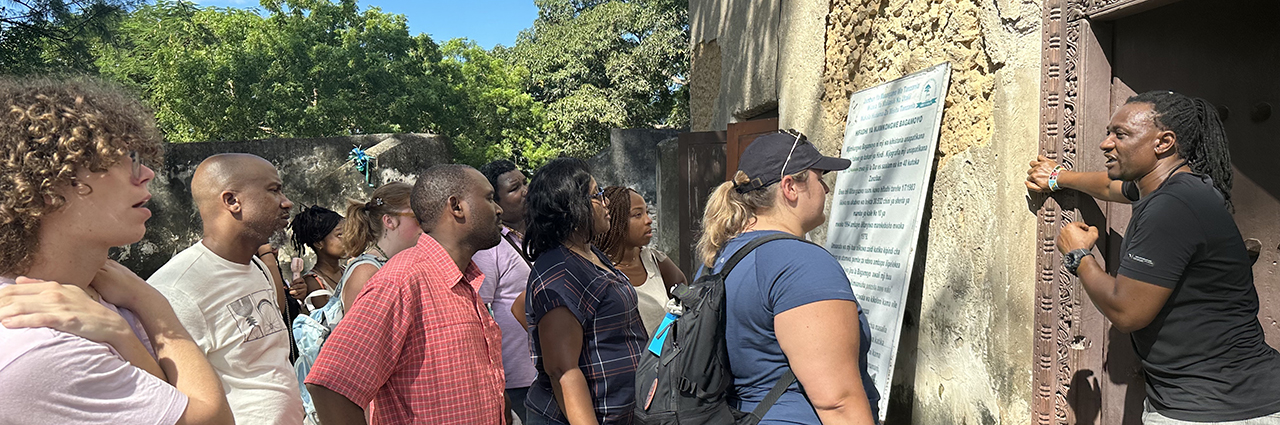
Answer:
(627, 245)
(74, 184)
(586, 332)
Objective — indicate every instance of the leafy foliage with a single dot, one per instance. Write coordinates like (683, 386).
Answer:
(315, 68)
(55, 35)
(606, 64)
(310, 68)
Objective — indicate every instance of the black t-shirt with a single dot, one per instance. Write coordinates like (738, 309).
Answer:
(1204, 354)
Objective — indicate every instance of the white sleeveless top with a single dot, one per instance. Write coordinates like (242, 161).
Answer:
(653, 293)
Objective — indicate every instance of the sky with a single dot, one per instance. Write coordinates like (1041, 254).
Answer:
(487, 22)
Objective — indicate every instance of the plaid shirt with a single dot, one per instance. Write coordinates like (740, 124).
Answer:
(418, 342)
(612, 333)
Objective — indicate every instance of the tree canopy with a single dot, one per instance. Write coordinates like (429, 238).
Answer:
(315, 68)
(607, 64)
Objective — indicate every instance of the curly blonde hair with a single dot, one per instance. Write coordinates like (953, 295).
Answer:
(52, 129)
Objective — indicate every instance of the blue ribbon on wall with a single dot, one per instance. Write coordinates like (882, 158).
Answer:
(362, 163)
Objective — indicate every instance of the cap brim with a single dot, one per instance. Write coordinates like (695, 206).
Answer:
(831, 164)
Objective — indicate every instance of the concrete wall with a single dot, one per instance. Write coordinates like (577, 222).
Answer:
(632, 160)
(315, 171)
(965, 355)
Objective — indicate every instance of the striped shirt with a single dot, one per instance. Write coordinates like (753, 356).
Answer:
(420, 343)
(604, 303)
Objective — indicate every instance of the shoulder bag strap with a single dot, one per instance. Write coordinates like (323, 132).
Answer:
(788, 377)
(751, 246)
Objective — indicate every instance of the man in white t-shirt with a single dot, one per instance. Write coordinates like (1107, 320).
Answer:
(223, 294)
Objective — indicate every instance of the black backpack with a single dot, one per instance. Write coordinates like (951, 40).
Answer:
(687, 384)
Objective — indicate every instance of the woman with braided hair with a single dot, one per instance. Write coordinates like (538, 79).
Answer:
(1184, 285)
(627, 245)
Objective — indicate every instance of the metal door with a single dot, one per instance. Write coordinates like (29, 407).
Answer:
(700, 161)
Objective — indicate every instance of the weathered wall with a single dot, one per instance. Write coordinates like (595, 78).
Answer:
(972, 360)
(734, 68)
(965, 354)
(632, 160)
(315, 171)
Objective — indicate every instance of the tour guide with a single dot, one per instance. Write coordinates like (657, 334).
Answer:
(1184, 289)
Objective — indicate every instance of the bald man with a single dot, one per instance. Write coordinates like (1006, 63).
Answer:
(223, 294)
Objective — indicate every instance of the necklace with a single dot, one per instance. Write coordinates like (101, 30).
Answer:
(384, 255)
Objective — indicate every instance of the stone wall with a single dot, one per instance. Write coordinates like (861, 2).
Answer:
(315, 171)
(965, 353)
(632, 160)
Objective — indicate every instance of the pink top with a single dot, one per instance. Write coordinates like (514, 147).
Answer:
(53, 377)
(506, 275)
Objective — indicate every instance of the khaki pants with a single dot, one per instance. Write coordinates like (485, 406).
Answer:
(1151, 417)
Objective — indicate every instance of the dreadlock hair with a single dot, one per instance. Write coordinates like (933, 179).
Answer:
(496, 169)
(363, 226)
(557, 205)
(312, 225)
(619, 221)
(1201, 140)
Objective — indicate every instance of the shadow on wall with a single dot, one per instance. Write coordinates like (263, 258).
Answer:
(315, 172)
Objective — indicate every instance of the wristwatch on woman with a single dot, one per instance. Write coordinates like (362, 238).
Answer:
(1071, 260)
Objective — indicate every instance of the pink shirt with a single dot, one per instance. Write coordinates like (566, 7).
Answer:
(506, 275)
(53, 377)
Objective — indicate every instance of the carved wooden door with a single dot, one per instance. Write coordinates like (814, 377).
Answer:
(1227, 52)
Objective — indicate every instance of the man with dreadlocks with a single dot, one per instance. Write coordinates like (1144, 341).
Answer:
(1184, 290)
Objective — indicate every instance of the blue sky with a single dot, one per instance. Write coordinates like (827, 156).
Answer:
(488, 22)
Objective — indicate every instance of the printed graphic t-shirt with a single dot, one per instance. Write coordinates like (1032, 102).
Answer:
(230, 310)
(1204, 354)
(53, 377)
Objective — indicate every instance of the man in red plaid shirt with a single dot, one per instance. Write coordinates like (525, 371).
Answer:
(418, 341)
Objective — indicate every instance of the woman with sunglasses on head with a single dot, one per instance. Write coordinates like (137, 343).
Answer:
(788, 303)
(320, 229)
(587, 334)
(84, 340)
(374, 231)
(627, 245)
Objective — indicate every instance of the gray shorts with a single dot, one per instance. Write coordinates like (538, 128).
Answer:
(1151, 417)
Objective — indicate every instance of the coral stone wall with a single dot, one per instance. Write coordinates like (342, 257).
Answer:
(966, 351)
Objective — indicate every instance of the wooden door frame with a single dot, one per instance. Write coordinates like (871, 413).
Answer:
(737, 142)
(1075, 99)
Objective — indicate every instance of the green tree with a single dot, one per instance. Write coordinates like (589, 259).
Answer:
(56, 35)
(310, 68)
(606, 64)
(503, 121)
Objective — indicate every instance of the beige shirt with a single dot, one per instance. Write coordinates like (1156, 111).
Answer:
(653, 293)
(230, 310)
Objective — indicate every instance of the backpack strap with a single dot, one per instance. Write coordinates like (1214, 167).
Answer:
(751, 246)
(788, 377)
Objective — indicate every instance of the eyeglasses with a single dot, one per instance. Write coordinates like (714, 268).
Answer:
(599, 196)
(136, 171)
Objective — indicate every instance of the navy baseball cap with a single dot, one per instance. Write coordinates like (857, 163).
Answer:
(772, 156)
